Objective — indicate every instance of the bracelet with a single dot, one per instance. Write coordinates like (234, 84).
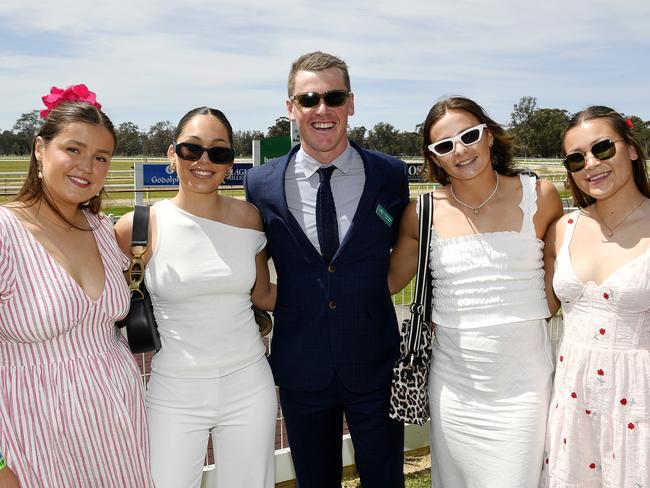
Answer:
(2, 462)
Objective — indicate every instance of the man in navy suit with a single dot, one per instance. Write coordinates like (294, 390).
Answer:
(336, 335)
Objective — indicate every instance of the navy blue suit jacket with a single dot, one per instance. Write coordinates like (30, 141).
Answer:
(333, 317)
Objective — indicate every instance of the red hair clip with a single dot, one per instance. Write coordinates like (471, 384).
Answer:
(629, 123)
(74, 93)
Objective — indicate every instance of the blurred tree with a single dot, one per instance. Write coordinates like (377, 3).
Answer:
(519, 124)
(545, 129)
(130, 140)
(280, 128)
(522, 110)
(7, 142)
(410, 143)
(242, 141)
(158, 139)
(357, 135)
(384, 137)
(25, 130)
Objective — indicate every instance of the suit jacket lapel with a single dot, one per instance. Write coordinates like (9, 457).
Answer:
(278, 190)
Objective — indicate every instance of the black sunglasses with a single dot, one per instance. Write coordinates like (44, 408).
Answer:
(193, 152)
(332, 98)
(602, 150)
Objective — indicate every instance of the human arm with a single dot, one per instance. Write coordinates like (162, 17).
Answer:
(7, 477)
(549, 269)
(549, 212)
(404, 257)
(123, 229)
(264, 292)
(123, 233)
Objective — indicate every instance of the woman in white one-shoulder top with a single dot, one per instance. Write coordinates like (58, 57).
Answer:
(205, 265)
(490, 377)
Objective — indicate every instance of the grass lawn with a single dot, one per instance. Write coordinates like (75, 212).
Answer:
(414, 480)
(417, 472)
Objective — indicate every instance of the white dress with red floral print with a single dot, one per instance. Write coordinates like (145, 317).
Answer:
(599, 421)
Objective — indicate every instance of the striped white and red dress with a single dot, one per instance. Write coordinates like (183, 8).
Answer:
(71, 400)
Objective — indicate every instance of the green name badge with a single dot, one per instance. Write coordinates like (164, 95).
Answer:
(384, 215)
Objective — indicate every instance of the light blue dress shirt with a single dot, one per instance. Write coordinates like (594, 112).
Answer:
(301, 186)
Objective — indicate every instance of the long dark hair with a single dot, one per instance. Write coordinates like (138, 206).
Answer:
(500, 153)
(218, 114)
(33, 190)
(619, 124)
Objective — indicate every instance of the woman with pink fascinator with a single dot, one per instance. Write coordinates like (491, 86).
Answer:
(71, 401)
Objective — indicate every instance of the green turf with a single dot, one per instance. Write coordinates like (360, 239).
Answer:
(413, 480)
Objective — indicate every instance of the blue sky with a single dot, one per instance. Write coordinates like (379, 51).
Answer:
(153, 60)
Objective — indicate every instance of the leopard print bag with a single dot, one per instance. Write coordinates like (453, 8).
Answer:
(409, 396)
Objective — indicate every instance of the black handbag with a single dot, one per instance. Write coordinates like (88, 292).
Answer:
(409, 396)
(140, 322)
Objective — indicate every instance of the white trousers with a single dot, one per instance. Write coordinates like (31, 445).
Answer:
(239, 409)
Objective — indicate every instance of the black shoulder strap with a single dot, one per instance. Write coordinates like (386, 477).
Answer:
(421, 306)
(140, 231)
(425, 248)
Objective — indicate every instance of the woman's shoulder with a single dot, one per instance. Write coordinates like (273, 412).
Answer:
(4, 216)
(558, 228)
(243, 214)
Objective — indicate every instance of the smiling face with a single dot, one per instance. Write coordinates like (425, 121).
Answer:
(201, 176)
(323, 129)
(464, 162)
(600, 179)
(75, 162)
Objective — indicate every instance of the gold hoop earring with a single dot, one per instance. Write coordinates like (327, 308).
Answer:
(228, 174)
(39, 165)
(172, 167)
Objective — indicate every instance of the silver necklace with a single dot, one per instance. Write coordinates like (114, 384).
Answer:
(476, 209)
(610, 230)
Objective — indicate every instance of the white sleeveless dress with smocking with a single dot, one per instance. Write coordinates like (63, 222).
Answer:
(490, 380)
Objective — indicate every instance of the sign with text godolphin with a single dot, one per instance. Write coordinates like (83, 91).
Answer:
(160, 176)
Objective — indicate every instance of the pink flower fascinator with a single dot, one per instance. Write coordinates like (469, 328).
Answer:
(73, 93)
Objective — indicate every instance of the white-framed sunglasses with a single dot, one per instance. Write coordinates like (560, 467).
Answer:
(467, 137)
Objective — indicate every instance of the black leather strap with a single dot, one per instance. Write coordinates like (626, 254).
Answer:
(140, 231)
(421, 306)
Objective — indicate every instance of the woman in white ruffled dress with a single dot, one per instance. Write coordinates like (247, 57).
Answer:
(490, 378)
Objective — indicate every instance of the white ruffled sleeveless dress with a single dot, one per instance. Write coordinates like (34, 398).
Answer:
(599, 420)
(490, 380)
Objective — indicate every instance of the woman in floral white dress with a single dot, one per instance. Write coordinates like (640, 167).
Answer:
(598, 430)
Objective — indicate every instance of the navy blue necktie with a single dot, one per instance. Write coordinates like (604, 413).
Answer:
(326, 222)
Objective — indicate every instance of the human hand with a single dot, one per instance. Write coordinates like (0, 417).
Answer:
(8, 478)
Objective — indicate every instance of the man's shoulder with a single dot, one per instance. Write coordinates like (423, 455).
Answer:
(265, 169)
(386, 160)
